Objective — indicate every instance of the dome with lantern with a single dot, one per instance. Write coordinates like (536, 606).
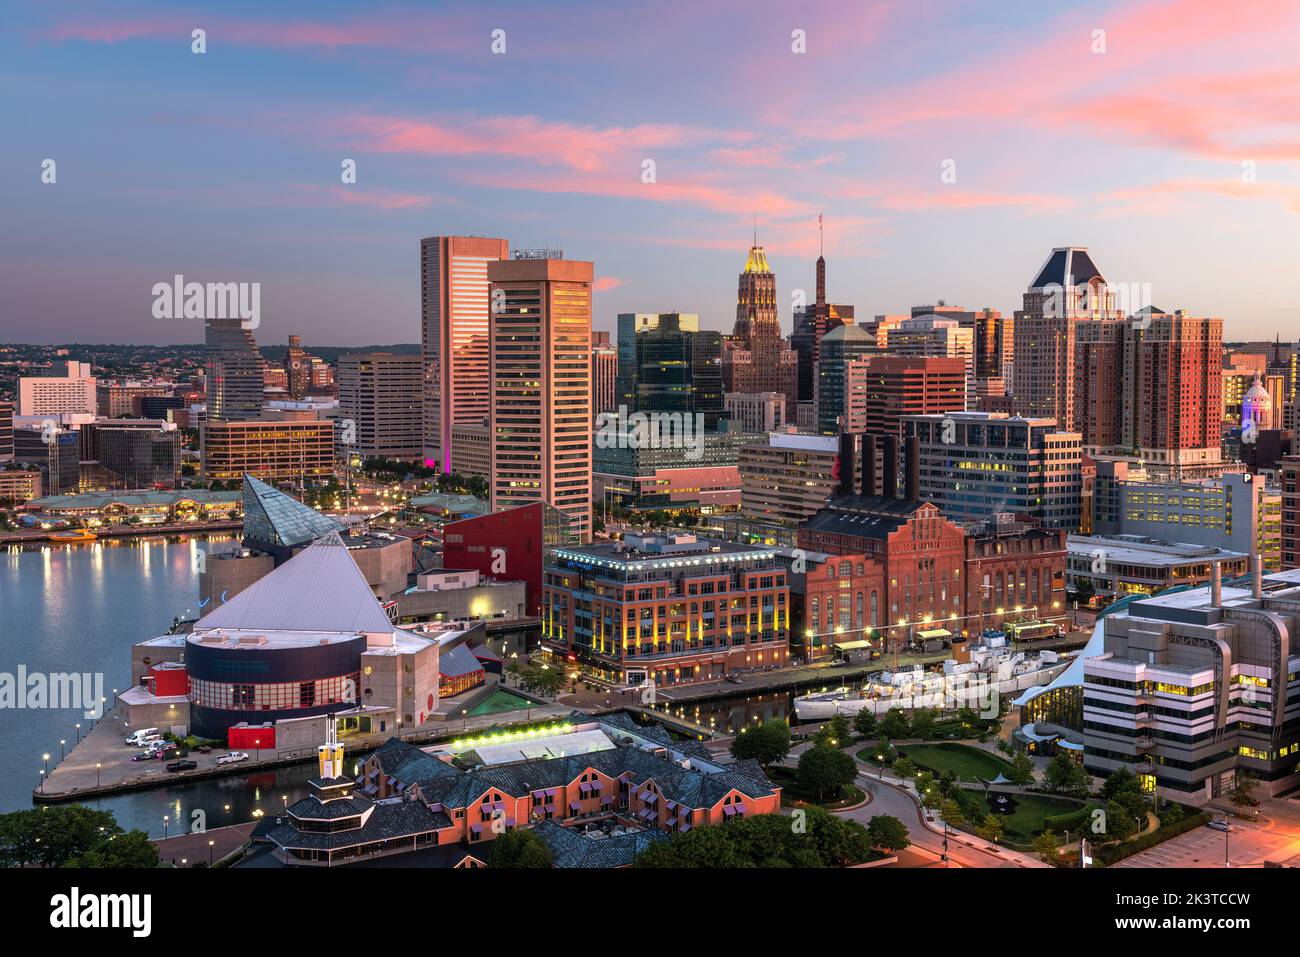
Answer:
(1257, 405)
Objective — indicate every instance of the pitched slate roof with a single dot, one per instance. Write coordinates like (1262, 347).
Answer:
(389, 819)
(694, 788)
(572, 849)
(864, 516)
(320, 590)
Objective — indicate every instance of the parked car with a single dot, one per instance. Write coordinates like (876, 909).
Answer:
(139, 736)
(142, 756)
(841, 663)
(1219, 824)
(734, 679)
(232, 757)
(182, 766)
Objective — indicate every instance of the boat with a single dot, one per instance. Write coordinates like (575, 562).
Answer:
(992, 671)
(74, 535)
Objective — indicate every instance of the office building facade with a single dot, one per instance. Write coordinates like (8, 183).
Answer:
(975, 465)
(455, 319)
(540, 384)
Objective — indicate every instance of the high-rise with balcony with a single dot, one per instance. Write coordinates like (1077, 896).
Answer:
(540, 384)
(455, 315)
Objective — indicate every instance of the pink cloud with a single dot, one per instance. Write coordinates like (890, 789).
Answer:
(585, 148)
(409, 33)
(606, 283)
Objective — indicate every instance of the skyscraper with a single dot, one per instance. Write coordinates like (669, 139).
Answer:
(1069, 289)
(380, 392)
(668, 364)
(604, 374)
(841, 380)
(911, 385)
(540, 384)
(810, 327)
(454, 336)
(235, 378)
(755, 357)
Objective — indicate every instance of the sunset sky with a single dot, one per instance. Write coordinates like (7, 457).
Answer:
(225, 166)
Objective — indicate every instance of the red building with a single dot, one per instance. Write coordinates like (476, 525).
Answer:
(1014, 569)
(844, 601)
(920, 555)
(912, 385)
(509, 544)
(666, 608)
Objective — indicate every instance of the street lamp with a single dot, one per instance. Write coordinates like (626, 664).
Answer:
(210, 843)
(166, 818)
(62, 742)
(97, 767)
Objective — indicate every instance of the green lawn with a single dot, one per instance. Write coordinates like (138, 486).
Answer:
(791, 794)
(962, 760)
(1031, 814)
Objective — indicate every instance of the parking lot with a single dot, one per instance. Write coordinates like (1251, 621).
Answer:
(1249, 844)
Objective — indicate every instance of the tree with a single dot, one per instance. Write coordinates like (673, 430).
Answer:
(1045, 846)
(1120, 822)
(834, 732)
(894, 724)
(1243, 790)
(1066, 776)
(951, 812)
(904, 768)
(925, 787)
(817, 839)
(923, 724)
(824, 770)
(1022, 770)
(888, 833)
(1120, 781)
(991, 828)
(767, 743)
(864, 723)
(53, 836)
(132, 849)
(520, 848)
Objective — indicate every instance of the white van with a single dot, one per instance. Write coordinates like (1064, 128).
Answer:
(139, 737)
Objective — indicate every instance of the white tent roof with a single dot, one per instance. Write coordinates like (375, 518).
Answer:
(1072, 676)
(320, 589)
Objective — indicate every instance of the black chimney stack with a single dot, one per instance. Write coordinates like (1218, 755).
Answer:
(848, 463)
(890, 484)
(869, 464)
(912, 468)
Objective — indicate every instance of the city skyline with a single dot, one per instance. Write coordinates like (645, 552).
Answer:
(948, 148)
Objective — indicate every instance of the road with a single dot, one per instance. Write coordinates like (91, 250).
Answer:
(964, 850)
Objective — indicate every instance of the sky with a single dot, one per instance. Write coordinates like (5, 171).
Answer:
(949, 146)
